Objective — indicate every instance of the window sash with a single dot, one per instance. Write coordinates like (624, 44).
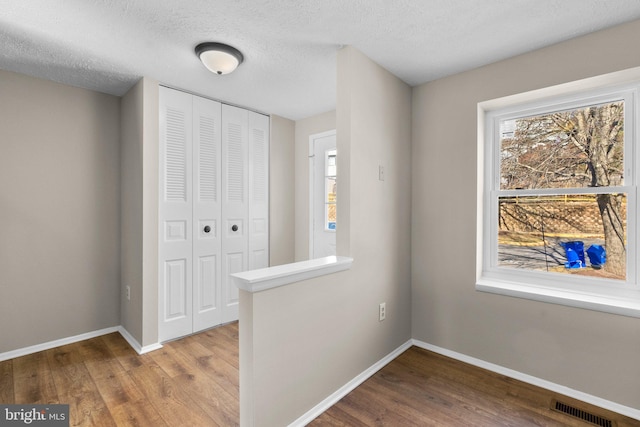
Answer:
(548, 106)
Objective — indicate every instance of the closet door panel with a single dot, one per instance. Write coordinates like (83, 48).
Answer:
(175, 214)
(235, 191)
(207, 159)
(258, 191)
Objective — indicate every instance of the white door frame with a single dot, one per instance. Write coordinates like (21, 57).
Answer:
(312, 140)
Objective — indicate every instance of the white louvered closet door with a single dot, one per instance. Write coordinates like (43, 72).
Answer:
(175, 215)
(213, 209)
(207, 307)
(234, 204)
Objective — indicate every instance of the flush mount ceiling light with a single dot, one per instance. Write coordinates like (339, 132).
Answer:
(219, 58)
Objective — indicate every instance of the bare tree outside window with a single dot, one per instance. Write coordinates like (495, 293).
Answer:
(577, 148)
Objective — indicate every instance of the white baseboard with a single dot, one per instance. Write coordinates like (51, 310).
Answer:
(314, 412)
(557, 388)
(56, 343)
(135, 344)
(70, 340)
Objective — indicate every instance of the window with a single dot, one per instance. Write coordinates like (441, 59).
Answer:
(558, 196)
(330, 188)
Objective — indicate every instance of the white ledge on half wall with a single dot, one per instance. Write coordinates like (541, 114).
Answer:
(280, 275)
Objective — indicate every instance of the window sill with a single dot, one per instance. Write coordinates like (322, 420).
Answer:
(623, 302)
(280, 275)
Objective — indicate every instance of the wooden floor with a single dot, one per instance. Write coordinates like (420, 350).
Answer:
(421, 388)
(194, 382)
(189, 382)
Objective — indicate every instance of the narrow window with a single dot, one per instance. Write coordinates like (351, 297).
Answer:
(330, 190)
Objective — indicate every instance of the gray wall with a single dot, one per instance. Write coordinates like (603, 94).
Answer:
(303, 130)
(131, 132)
(139, 211)
(589, 351)
(59, 210)
(302, 342)
(281, 191)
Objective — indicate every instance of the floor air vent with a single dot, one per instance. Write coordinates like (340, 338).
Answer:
(581, 414)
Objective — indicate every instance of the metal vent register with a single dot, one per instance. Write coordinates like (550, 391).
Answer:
(582, 414)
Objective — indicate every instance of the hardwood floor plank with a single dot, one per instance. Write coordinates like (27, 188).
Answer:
(126, 402)
(365, 407)
(231, 330)
(76, 388)
(417, 397)
(206, 356)
(114, 383)
(32, 380)
(337, 418)
(137, 414)
(401, 408)
(174, 405)
(122, 351)
(460, 381)
(203, 383)
(469, 403)
(223, 342)
(6, 382)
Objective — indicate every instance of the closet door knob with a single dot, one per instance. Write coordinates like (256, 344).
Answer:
(234, 227)
(207, 229)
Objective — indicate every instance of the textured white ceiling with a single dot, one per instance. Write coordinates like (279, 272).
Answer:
(289, 45)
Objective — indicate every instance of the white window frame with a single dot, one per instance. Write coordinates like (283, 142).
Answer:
(612, 296)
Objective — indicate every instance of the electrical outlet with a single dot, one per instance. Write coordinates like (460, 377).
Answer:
(128, 293)
(382, 312)
(381, 172)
